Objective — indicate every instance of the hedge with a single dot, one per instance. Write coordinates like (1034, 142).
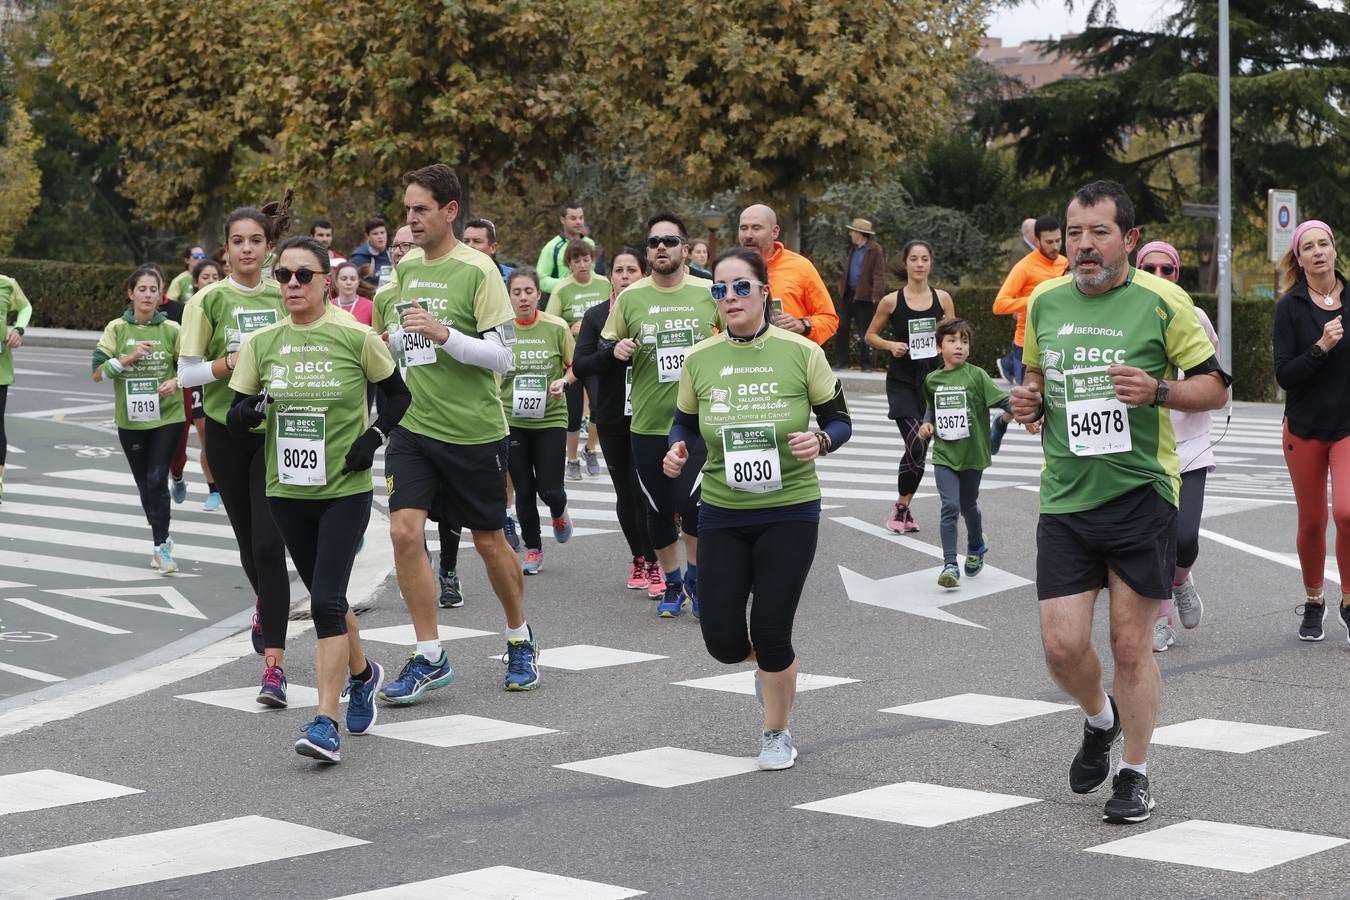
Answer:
(1253, 326)
(70, 295)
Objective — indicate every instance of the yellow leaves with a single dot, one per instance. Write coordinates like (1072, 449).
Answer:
(20, 189)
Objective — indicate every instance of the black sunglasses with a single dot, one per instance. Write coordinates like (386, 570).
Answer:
(741, 287)
(664, 240)
(304, 276)
(1156, 269)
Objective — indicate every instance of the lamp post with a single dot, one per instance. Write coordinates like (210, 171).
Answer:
(713, 219)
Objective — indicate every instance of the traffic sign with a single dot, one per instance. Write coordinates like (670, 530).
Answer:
(1283, 219)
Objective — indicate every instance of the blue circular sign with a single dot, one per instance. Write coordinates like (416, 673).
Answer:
(1283, 216)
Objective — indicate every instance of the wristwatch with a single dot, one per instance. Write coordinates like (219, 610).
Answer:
(1160, 395)
(806, 326)
(19, 329)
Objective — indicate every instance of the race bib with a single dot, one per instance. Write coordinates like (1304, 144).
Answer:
(628, 391)
(251, 320)
(750, 456)
(142, 399)
(386, 273)
(671, 348)
(922, 338)
(1098, 422)
(418, 349)
(301, 458)
(951, 414)
(529, 396)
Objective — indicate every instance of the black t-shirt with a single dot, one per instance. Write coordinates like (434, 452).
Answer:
(173, 309)
(594, 363)
(1315, 385)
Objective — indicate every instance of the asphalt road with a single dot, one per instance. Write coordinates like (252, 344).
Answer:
(920, 801)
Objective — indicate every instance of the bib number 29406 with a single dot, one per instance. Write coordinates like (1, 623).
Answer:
(301, 459)
(750, 455)
(1098, 423)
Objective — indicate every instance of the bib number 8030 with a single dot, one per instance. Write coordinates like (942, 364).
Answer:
(755, 470)
(1096, 422)
(299, 458)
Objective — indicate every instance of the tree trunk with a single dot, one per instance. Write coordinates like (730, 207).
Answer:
(790, 220)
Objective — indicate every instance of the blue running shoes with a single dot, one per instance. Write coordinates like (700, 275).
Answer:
(418, 676)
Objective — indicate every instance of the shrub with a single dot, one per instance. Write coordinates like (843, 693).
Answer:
(70, 295)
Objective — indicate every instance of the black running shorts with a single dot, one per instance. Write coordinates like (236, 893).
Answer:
(1133, 535)
(462, 483)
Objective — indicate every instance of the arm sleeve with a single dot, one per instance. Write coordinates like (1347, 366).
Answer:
(548, 276)
(685, 428)
(616, 329)
(1294, 365)
(397, 399)
(820, 309)
(23, 310)
(193, 371)
(107, 345)
(1008, 300)
(487, 352)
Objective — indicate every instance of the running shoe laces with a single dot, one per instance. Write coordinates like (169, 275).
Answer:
(273, 678)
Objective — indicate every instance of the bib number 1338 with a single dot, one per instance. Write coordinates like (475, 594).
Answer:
(1098, 423)
(751, 458)
(671, 348)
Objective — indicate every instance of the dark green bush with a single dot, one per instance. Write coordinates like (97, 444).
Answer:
(70, 295)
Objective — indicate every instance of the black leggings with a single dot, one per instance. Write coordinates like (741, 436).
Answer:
(4, 447)
(912, 462)
(615, 444)
(665, 497)
(576, 404)
(149, 452)
(1188, 517)
(322, 536)
(239, 466)
(769, 561)
(536, 466)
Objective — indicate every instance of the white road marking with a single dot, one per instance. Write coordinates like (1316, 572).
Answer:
(96, 570)
(64, 616)
(46, 788)
(32, 674)
(175, 604)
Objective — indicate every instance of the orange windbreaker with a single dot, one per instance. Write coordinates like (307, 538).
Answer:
(1029, 271)
(796, 282)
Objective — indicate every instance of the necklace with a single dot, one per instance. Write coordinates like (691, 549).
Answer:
(1327, 299)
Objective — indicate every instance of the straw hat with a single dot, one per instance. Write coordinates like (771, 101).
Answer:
(862, 226)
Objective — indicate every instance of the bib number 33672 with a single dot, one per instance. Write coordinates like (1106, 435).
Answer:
(1098, 423)
(750, 454)
(301, 459)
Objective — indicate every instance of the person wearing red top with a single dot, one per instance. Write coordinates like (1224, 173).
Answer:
(348, 278)
(795, 285)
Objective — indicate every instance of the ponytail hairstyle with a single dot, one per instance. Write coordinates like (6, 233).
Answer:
(274, 218)
(901, 267)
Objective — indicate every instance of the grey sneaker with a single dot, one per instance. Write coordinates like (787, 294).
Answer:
(574, 470)
(592, 462)
(776, 751)
(1163, 636)
(1190, 608)
(452, 593)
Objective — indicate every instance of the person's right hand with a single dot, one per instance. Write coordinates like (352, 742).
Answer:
(926, 430)
(142, 350)
(1026, 403)
(1332, 333)
(899, 348)
(624, 349)
(676, 457)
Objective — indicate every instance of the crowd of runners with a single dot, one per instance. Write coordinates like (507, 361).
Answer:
(704, 388)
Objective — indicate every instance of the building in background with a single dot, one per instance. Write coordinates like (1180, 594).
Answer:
(1028, 63)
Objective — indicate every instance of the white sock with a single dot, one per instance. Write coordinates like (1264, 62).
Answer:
(430, 649)
(1104, 719)
(518, 634)
(1141, 768)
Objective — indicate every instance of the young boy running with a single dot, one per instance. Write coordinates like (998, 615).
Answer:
(959, 396)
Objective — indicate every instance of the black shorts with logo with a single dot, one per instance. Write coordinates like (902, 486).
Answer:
(1133, 535)
(460, 483)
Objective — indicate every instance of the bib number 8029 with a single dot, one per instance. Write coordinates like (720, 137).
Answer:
(299, 458)
(1096, 422)
(755, 470)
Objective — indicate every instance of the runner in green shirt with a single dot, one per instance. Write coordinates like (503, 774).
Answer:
(181, 289)
(959, 397)
(533, 394)
(575, 294)
(655, 322)
(218, 320)
(748, 395)
(137, 352)
(1103, 346)
(455, 333)
(305, 379)
(12, 300)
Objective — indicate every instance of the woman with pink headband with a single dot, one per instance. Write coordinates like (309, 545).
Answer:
(1315, 375)
(1196, 454)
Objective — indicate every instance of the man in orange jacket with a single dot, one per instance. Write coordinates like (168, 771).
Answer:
(806, 305)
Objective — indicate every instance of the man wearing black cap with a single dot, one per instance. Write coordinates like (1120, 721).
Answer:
(863, 284)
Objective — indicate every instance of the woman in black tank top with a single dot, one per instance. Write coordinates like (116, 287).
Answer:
(913, 313)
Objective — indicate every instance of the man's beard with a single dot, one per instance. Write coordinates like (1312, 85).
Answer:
(667, 266)
(1104, 276)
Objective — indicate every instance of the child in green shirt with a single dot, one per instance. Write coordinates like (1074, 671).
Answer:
(959, 396)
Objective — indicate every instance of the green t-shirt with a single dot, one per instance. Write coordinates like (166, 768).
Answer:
(180, 288)
(748, 399)
(218, 315)
(960, 400)
(139, 405)
(570, 300)
(1096, 448)
(452, 402)
(543, 351)
(666, 323)
(316, 374)
(12, 300)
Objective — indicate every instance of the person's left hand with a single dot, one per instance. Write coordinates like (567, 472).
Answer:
(556, 389)
(169, 388)
(789, 323)
(420, 321)
(1134, 387)
(14, 339)
(803, 445)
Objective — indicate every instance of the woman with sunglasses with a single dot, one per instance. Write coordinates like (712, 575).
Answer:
(218, 322)
(612, 415)
(304, 381)
(913, 313)
(1196, 453)
(1314, 371)
(137, 353)
(747, 396)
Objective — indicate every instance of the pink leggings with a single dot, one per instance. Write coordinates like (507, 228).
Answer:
(1308, 461)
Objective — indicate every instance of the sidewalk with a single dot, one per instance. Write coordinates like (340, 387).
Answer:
(61, 337)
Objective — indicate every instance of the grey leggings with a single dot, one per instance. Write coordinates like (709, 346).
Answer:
(960, 493)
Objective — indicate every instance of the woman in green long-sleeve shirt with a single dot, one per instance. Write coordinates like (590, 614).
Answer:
(12, 300)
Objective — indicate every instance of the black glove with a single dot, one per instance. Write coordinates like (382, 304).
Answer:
(247, 414)
(361, 456)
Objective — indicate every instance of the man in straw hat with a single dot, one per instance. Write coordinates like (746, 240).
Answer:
(863, 284)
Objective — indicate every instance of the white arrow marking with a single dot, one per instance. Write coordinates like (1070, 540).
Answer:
(64, 616)
(177, 604)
